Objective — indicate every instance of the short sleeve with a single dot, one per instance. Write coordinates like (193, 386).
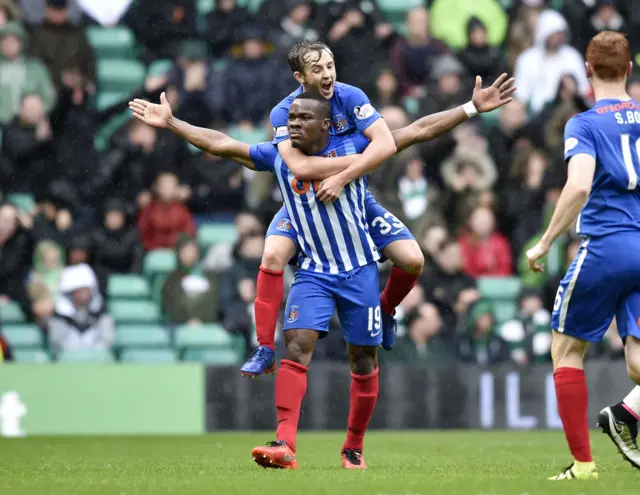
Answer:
(361, 111)
(279, 118)
(578, 138)
(263, 156)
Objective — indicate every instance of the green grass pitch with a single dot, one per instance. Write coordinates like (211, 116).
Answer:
(400, 463)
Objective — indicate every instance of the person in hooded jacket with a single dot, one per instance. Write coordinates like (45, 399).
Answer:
(80, 320)
(479, 58)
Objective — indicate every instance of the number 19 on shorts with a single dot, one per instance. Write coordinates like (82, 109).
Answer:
(373, 323)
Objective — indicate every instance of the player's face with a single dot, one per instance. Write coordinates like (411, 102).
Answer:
(306, 124)
(320, 74)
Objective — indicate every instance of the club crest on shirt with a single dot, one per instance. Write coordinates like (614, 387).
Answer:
(294, 313)
(284, 225)
(331, 154)
(339, 123)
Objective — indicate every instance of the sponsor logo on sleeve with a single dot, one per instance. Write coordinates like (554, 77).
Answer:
(364, 112)
(569, 144)
(280, 131)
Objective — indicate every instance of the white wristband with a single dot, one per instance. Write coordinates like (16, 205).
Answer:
(470, 109)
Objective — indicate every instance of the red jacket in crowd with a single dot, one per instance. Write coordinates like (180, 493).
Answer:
(490, 257)
(161, 224)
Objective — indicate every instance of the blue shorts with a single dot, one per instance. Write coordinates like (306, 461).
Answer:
(602, 282)
(384, 227)
(314, 297)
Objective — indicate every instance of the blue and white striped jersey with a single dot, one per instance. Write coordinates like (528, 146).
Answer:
(334, 237)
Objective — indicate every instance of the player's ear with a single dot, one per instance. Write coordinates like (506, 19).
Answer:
(629, 69)
(326, 124)
(299, 77)
(588, 68)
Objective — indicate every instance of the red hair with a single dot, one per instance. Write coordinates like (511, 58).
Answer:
(608, 55)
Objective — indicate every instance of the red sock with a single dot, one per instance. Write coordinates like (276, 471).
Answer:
(364, 394)
(269, 291)
(572, 397)
(291, 385)
(398, 286)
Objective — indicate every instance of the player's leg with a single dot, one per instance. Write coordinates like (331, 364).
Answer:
(309, 307)
(620, 421)
(280, 246)
(360, 316)
(394, 240)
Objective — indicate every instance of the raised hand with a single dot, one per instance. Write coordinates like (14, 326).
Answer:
(151, 113)
(495, 96)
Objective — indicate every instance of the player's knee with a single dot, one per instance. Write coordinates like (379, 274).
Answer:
(299, 351)
(363, 360)
(412, 258)
(567, 351)
(633, 370)
(276, 256)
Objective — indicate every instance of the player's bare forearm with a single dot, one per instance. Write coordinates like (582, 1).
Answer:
(313, 167)
(212, 141)
(571, 201)
(429, 127)
(381, 148)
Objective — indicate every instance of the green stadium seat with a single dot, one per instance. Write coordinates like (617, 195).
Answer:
(23, 336)
(31, 356)
(499, 288)
(159, 261)
(215, 233)
(160, 67)
(101, 141)
(142, 336)
(114, 42)
(207, 336)
(10, 312)
(215, 357)
(205, 6)
(85, 356)
(396, 10)
(411, 105)
(253, 136)
(149, 356)
(505, 310)
(105, 100)
(24, 202)
(120, 75)
(156, 287)
(128, 287)
(134, 311)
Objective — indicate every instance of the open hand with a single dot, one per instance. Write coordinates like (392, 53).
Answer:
(495, 96)
(330, 189)
(534, 254)
(151, 113)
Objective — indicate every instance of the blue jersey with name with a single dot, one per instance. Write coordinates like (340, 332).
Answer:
(351, 111)
(609, 132)
(334, 237)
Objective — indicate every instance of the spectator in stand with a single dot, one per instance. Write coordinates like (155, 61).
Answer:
(294, 27)
(221, 255)
(9, 11)
(503, 137)
(522, 30)
(448, 74)
(44, 281)
(163, 221)
(482, 344)
(27, 144)
(525, 196)
(6, 355)
(33, 11)
(479, 58)
(430, 242)
(450, 18)
(540, 68)
(529, 334)
(255, 81)
(160, 25)
(605, 15)
(359, 35)
(189, 295)
(223, 24)
(385, 93)
(413, 189)
(20, 75)
(424, 341)
(116, 244)
(413, 57)
(52, 220)
(80, 320)
(448, 287)
(63, 46)
(16, 251)
(485, 252)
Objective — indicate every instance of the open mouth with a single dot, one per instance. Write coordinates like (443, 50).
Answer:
(326, 87)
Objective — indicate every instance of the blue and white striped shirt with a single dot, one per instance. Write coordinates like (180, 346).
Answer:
(334, 237)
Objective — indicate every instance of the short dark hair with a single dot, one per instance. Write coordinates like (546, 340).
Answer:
(305, 52)
(322, 101)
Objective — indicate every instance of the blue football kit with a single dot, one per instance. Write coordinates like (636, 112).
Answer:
(604, 279)
(337, 265)
(351, 111)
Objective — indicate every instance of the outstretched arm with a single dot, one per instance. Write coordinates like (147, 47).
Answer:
(209, 140)
(312, 167)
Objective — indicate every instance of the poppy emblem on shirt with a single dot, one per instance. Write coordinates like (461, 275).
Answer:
(294, 313)
(284, 225)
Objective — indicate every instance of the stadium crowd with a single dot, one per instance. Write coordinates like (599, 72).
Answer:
(475, 199)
